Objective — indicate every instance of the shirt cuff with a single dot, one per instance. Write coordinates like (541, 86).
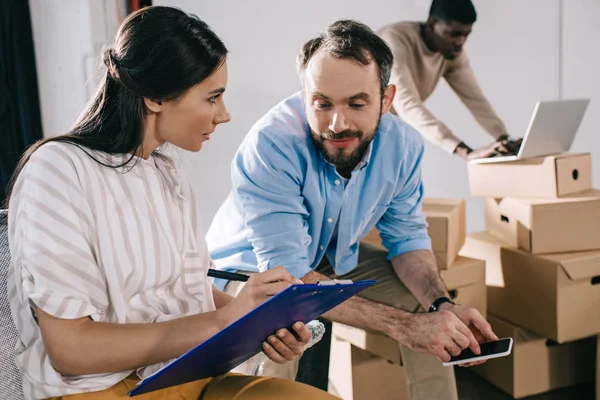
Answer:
(450, 143)
(299, 270)
(408, 246)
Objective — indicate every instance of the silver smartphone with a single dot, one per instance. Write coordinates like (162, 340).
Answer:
(495, 349)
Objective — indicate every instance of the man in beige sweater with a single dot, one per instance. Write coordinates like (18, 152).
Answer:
(426, 52)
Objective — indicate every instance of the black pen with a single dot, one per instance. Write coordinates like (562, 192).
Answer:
(230, 276)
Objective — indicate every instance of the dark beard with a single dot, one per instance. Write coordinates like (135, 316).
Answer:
(340, 159)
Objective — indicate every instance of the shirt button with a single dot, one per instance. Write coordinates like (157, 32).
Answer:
(330, 220)
(337, 182)
(322, 248)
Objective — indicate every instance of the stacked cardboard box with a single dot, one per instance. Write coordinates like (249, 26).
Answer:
(536, 364)
(445, 225)
(367, 365)
(542, 253)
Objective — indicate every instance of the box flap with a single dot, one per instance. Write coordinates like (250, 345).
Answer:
(519, 334)
(573, 174)
(463, 272)
(381, 345)
(487, 238)
(448, 201)
(374, 378)
(587, 195)
(437, 229)
(438, 210)
(503, 216)
(542, 159)
(578, 265)
(441, 207)
(569, 155)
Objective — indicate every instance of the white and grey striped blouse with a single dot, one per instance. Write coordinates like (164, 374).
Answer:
(119, 245)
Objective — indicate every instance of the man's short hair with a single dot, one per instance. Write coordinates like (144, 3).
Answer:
(352, 40)
(462, 11)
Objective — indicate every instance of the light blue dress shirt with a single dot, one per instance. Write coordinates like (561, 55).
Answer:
(286, 200)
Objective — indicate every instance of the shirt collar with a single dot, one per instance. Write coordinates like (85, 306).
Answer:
(156, 161)
(366, 157)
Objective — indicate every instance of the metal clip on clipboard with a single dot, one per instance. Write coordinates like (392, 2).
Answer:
(335, 282)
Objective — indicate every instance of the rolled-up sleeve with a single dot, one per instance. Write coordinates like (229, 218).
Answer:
(267, 181)
(403, 227)
(55, 263)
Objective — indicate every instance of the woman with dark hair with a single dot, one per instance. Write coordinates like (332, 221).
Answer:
(109, 265)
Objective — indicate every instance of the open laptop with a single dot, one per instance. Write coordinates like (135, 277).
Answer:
(551, 130)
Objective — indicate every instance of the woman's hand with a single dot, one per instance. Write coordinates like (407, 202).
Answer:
(286, 345)
(259, 288)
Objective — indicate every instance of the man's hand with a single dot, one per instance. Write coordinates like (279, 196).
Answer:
(462, 150)
(286, 346)
(503, 146)
(481, 329)
(465, 152)
(513, 146)
(496, 148)
(441, 334)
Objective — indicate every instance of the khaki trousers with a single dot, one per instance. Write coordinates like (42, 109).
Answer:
(224, 387)
(427, 378)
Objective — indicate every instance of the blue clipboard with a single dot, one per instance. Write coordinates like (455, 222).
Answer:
(243, 339)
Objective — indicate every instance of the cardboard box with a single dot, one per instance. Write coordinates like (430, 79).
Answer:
(380, 345)
(356, 374)
(446, 228)
(541, 177)
(542, 226)
(537, 365)
(465, 281)
(484, 246)
(555, 295)
(373, 238)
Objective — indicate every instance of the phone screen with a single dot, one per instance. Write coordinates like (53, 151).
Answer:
(487, 349)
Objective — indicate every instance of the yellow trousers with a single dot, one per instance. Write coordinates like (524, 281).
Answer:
(225, 387)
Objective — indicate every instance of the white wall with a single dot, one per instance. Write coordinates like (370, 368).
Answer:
(62, 40)
(515, 64)
(515, 50)
(68, 36)
(581, 71)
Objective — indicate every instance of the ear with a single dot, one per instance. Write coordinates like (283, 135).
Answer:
(388, 98)
(430, 24)
(153, 105)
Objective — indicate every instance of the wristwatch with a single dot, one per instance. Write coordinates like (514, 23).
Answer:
(438, 302)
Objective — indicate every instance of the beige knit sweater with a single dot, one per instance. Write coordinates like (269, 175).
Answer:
(417, 71)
